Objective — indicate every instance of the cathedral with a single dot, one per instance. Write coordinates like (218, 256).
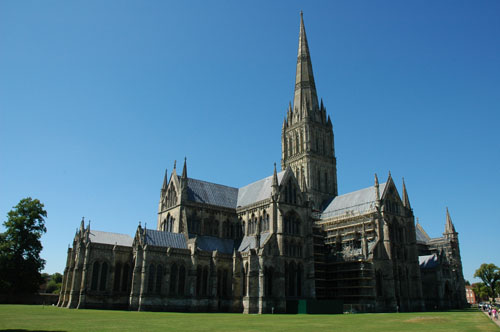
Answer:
(285, 243)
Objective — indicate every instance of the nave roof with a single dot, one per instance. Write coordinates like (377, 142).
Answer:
(356, 202)
(110, 238)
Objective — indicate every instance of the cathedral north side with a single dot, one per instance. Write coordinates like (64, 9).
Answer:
(284, 242)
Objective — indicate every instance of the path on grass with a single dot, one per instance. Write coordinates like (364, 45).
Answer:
(495, 321)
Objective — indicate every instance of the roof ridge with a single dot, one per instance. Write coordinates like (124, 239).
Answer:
(96, 230)
(352, 192)
(267, 177)
(217, 184)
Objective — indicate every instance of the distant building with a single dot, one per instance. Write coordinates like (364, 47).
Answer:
(262, 247)
(471, 296)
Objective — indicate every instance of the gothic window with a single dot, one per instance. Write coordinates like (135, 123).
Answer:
(268, 280)
(301, 142)
(245, 281)
(173, 279)
(117, 275)
(151, 278)
(326, 181)
(224, 283)
(125, 278)
(199, 275)
(171, 196)
(205, 281)
(95, 276)
(159, 278)
(287, 279)
(319, 180)
(182, 279)
(299, 280)
(297, 144)
(104, 276)
(292, 281)
(219, 282)
(378, 280)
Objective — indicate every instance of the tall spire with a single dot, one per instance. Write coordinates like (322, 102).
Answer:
(449, 228)
(184, 169)
(165, 182)
(406, 200)
(305, 89)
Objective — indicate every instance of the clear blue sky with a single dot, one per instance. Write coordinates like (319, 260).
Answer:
(97, 98)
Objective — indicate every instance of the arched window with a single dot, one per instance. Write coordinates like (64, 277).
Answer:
(225, 274)
(268, 277)
(219, 282)
(151, 278)
(125, 278)
(104, 276)
(117, 275)
(245, 281)
(159, 278)
(292, 283)
(199, 276)
(287, 280)
(173, 279)
(301, 142)
(182, 279)
(95, 276)
(379, 285)
(299, 280)
(205, 281)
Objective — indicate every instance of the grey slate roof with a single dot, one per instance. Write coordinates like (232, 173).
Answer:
(110, 238)
(249, 242)
(356, 202)
(212, 193)
(211, 243)
(428, 261)
(165, 239)
(257, 191)
(421, 234)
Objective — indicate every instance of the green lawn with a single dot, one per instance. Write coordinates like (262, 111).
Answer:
(39, 318)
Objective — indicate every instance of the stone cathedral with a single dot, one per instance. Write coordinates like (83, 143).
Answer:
(286, 241)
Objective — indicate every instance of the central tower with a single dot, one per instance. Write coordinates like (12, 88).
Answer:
(307, 142)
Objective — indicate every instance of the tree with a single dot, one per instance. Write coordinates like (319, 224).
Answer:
(20, 246)
(490, 275)
(480, 290)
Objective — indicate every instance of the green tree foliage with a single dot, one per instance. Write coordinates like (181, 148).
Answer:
(20, 246)
(480, 290)
(490, 275)
(53, 283)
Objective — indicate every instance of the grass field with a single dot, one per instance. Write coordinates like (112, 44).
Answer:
(39, 318)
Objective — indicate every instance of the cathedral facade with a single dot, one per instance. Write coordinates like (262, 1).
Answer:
(264, 247)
